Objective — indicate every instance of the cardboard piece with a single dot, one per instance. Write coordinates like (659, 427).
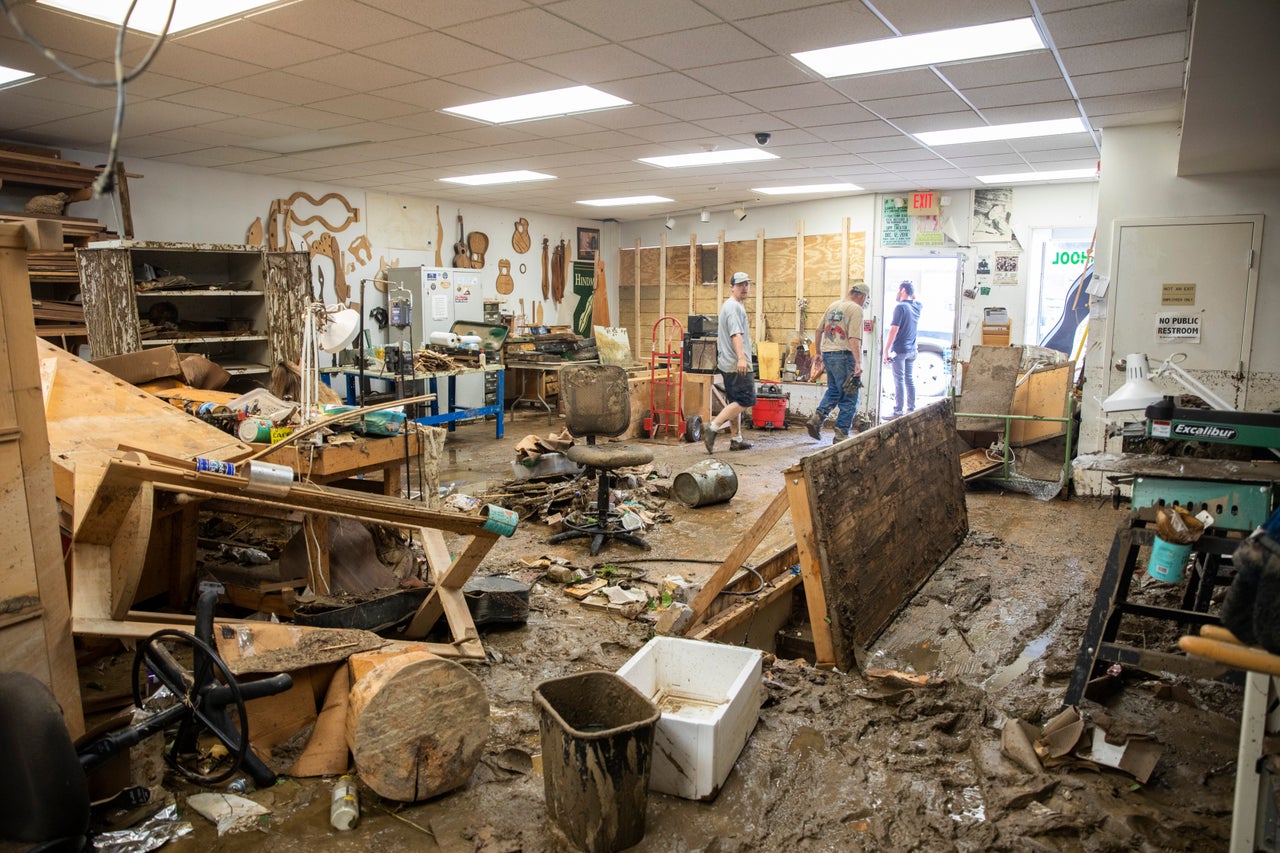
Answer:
(1136, 756)
(142, 366)
(1060, 735)
(1016, 744)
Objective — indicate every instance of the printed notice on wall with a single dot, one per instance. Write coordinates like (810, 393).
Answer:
(1006, 268)
(1177, 294)
(895, 224)
(1178, 328)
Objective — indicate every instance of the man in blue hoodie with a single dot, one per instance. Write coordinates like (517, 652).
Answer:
(900, 348)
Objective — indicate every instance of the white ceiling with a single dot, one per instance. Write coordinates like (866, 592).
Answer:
(701, 74)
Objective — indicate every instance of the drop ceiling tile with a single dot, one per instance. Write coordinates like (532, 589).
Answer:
(15, 53)
(915, 105)
(699, 47)
(997, 147)
(817, 26)
(769, 72)
(1129, 53)
(1151, 78)
(798, 97)
(1136, 102)
(212, 157)
(63, 31)
(246, 41)
(657, 88)
(523, 34)
(19, 110)
(343, 24)
(225, 101)
(833, 114)
(1016, 94)
(509, 79)
(251, 129)
(713, 106)
(365, 152)
(368, 107)
(620, 20)
(624, 118)
(1032, 112)
(1124, 19)
(286, 87)
(672, 132)
(484, 135)
(66, 92)
(1079, 144)
(434, 54)
(91, 131)
(921, 16)
(1161, 115)
(851, 130)
(596, 65)
(187, 63)
(203, 137)
(150, 147)
(873, 144)
(152, 84)
(434, 95)
(1024, 68)
(898, 84)
(349, 70)
(987, 160)
(939, 121)
(906, 155)
(533, 148)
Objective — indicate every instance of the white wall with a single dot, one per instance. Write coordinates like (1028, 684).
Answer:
(1139, 180)
(191, 204)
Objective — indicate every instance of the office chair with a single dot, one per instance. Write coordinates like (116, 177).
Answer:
(598, 402)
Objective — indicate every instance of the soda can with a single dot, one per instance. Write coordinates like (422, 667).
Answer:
(216, 466)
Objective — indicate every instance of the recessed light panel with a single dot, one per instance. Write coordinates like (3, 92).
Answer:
(922, 49)
(557, 102)
(12, 75)
(624, 200)
(808, 188)
(994, 132)
(709, 158)
(149, 15)
(1029, 177)
(515, 177)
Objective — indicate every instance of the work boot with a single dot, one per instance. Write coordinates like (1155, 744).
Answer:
(709, 433)
(839, 435)
(814, 425)
(741, 444)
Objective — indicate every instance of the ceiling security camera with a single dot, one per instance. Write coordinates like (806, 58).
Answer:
(763, 138)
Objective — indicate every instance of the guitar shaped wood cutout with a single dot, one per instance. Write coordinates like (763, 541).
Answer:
(478, 242)
(505, 282)
(461, 254)
(520, 240)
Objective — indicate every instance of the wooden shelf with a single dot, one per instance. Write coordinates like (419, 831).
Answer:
(244, 369)
(197, 292)
(202, 339)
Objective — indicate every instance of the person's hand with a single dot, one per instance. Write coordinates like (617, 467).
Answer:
(744, 366)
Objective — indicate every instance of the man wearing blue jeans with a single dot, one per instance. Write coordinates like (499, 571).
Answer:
(900, 349)
(840, 354)
(733, 360)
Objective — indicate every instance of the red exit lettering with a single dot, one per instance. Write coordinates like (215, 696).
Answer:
(922, 201)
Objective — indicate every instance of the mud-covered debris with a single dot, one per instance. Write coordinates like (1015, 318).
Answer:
(894, 677)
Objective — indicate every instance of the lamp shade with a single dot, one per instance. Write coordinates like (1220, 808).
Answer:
(1138, 391)
(340, 328)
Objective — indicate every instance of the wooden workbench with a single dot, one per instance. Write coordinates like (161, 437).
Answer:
(337, 464)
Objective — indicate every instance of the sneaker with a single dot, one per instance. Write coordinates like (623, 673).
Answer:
(814, 426)
(741, 444)
(839, 435)
(709, 434)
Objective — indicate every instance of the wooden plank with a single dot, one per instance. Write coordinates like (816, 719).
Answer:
(741, 551)
(726, 621)
(110, 310)
(989, 380)
(811, 566)
(1043, 394)
(900, 513)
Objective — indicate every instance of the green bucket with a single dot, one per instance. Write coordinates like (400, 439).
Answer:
(1168, 561)
(499, 519)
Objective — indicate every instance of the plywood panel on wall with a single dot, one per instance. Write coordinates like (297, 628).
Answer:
(900, 513)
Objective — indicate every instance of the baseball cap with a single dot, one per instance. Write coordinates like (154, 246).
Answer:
(860, 288)
(739, 278)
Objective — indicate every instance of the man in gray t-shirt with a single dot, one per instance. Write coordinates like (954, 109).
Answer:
(733, 360)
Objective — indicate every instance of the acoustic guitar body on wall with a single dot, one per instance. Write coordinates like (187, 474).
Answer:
(505, 282)
(478, 243)
(520, 239)
(461, 254)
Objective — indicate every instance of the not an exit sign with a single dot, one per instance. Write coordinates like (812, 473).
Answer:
(924, 204)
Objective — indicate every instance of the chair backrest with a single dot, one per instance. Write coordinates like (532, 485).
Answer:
(597, 399)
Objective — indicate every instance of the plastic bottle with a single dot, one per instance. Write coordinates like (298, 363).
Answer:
(344, 813)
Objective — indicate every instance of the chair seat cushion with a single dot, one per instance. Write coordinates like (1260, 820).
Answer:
(608, 456)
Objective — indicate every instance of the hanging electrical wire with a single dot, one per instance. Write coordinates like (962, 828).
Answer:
(105, 182)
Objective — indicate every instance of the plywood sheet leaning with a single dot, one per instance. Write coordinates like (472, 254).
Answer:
(989, 382)
(1042, 393)
(887, 507)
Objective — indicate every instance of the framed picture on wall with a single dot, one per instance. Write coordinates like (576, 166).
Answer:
(588, 243)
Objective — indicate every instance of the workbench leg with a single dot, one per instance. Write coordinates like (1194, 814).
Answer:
(1104, 606)
(453, 399)
(391, 479)
(1248, 811)
(501, 400)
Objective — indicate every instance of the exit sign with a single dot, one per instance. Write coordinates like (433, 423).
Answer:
(923, 204)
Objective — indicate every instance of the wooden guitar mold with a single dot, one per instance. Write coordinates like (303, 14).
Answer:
(505, 282)
(520, 239)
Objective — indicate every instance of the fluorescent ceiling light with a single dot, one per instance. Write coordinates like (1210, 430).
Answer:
(624, 200)
(515, 177)
(149, 15)
(709, 158)
(11, 75)
(807, 188)
(557, 102)
(925, 48)
(993, 132)
(1024, 177)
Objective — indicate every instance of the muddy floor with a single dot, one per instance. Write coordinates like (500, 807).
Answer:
(836, 762)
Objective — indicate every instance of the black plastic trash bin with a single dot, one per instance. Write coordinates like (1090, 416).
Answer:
(597, 748)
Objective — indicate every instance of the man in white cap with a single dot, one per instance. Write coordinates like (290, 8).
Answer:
(840, 353)
(733, 360)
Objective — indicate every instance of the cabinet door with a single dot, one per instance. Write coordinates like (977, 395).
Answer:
(35, 617)
(288, 285)
(110, 308)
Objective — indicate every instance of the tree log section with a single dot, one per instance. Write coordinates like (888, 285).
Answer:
(416, 726)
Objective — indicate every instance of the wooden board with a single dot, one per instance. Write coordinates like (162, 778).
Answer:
(1042, 394)
(35, 627)
(989, 380)
(887, 507)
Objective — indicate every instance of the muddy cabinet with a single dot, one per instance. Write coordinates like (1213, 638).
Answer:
(241, 306)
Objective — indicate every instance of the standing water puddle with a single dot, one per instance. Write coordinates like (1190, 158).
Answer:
(1003, 676)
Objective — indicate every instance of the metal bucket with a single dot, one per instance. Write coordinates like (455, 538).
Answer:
(707, 482)
(499, 520)
(1168, 561)
(255, 429)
